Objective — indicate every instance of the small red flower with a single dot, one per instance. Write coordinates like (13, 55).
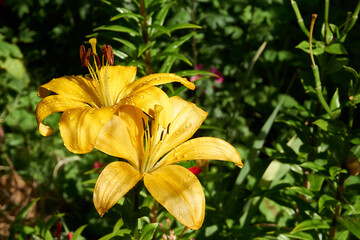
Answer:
(196, 170)
(69, 235)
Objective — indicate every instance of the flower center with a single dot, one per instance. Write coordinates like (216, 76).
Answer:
(154, 135)
(99, 74)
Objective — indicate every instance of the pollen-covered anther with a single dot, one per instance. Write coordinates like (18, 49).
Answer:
(108, 54)
(84, 56)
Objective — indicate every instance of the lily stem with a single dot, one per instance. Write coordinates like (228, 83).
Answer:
(299, 17)
(326, 21)
(316, 73)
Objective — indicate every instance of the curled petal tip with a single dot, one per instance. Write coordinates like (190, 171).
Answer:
(240, 165)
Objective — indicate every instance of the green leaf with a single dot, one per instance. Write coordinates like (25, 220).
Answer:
(148, 231)
(335, 171)
(16, 69)
(352, 223)
(120, 54)
(118, 28)
(192, 73)
(9, 50)
(336, 48)
(318, 48)
(129, 14)
(50, 223)
(160, 17)
(332, 32)
(313, 224)
(173, 54)
(20, 217)
(125, 42)
(78, 232)
(143, 47)
(313, 166)
(326, 201)
(302, 190)
(316, 181)
(335, 104)
(183, 26)
(160, 29)
(118, 224)
(119, 233)
(351, 70)
(300, 235)
(331, 126)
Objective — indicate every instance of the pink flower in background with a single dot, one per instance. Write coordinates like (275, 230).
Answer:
(214, 70)
(195, 170)
(198, 67)
(220, 79)
(69, 235)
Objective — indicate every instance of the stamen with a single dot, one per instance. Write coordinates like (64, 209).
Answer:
(108, 53)
(84, 56)
(168, 128)
(143, 121)
(161, 136)
(98, 63)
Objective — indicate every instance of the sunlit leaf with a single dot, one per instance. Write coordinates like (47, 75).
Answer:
(118, 28)
(313, 224)
(352, 223)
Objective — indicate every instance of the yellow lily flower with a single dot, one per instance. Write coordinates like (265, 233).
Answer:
(88, 103)
(151, 152)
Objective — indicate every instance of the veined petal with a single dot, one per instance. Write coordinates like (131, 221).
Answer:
(121, 136)
(53, 104)
(207, 148)
(80, 127)
(73, 87)
(114, 182)
(146, 101)
(118, 77)
(180, 192)
(156, 79)
(187, 119)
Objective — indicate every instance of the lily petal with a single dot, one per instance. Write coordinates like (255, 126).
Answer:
(157, 79)
(118, 78)
(146, 101)
(202, 148)
(180, 192)
(114, 182)
(76, 88)
(80, 127)
(53, 104)
(121, 136)
(187, 119)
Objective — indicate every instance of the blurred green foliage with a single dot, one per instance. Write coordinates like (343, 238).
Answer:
(298, 153)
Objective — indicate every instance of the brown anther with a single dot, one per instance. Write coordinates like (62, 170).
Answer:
(98, 63)
(161, 136)
(84, 56)
(168, 128)
(108, 53)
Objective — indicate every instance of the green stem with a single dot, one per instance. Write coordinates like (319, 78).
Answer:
(326, 20)
(319, 93)
(353, 20)
(299, 18)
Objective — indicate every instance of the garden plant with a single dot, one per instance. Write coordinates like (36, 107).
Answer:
(112, 112)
